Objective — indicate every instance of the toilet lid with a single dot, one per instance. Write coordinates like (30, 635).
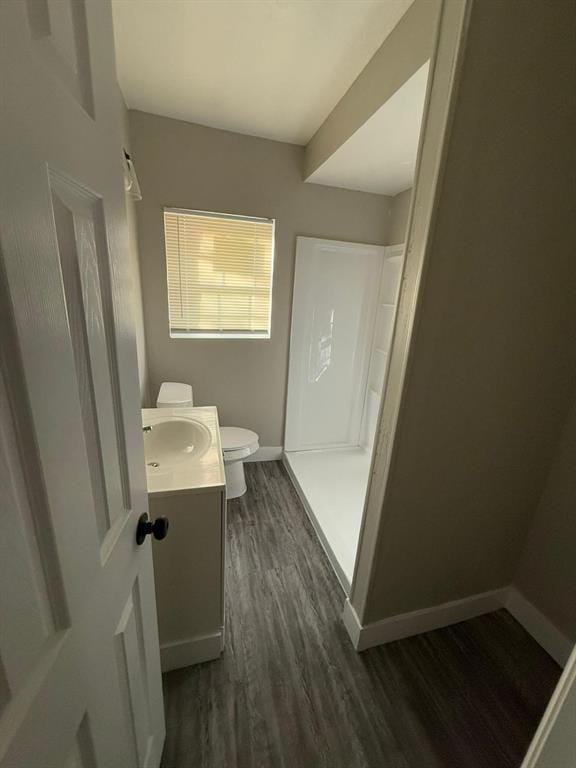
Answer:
(234, 438)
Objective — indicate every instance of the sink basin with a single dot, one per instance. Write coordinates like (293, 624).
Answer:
(172, 441)
(182, 450)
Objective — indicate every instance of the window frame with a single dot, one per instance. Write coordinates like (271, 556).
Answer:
(260, 335)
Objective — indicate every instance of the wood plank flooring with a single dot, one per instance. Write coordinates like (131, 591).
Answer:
(290, 691)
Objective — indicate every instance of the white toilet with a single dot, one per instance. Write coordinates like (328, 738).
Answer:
(237, 443)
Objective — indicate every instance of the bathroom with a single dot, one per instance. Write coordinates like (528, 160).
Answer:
(287, 384)
(194, 186)
(357, 200)
(248, 378)
(305, 419)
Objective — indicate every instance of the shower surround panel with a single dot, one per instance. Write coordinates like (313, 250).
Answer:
(343, 314)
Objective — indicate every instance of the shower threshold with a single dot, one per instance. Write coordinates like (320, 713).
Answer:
(332, 485)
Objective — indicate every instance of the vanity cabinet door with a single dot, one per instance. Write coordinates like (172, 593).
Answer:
(188, 569)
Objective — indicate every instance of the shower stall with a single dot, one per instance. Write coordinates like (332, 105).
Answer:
(343, 312)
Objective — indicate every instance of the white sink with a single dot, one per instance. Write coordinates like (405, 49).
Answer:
(177, 439)
(182, 449)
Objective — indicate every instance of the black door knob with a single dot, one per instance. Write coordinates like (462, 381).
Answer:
(158, 528)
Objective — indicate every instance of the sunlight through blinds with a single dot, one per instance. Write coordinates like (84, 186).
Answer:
(219, 270)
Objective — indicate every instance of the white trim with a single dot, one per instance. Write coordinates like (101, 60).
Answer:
(445, 69)
(539, 626)
(555, 718)
(195, 650)
(266, 453)
(417, 622)
(217, 215)
(219, 334)
(156, 748)
(352, 624)
(393, 251)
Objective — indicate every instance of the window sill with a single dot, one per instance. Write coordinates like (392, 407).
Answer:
(184, 335)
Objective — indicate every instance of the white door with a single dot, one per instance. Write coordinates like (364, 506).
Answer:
(80, 679)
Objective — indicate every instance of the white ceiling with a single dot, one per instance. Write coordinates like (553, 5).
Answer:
(272, 68)
(381, 155)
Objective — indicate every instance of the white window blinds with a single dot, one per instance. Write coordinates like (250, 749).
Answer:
(219, 271)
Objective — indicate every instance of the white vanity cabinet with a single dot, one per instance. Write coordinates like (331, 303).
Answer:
(189, 562)
(189, 576)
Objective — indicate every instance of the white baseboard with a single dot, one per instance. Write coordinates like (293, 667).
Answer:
(554, 642)
(267, 453)
(417, 622)
(539, 626)
(195, 650)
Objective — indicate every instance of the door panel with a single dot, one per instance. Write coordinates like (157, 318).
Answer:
(82, 752)
(59, 34)
(78, 221)
(32, 615)
(79, 659)
(130, 657)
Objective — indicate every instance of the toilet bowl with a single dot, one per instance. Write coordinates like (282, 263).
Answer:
(237, 443)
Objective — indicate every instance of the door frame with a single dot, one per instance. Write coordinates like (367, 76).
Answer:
(553, 732)
(445, 70)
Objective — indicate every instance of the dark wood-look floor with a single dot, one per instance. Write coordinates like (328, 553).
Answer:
(290, 691)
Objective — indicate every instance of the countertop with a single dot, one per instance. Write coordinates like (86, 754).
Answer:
(204, 473)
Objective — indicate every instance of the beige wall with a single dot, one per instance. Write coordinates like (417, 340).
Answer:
(404, 51)
(190, 166)
(399, 217)
(493, 358)
(547, 572)
(134, 269)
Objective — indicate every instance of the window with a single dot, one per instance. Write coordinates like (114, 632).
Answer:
(219, 271)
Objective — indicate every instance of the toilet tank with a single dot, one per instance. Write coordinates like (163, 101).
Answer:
(174, 394)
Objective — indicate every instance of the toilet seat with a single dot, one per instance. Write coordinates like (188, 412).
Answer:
(238, 443)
